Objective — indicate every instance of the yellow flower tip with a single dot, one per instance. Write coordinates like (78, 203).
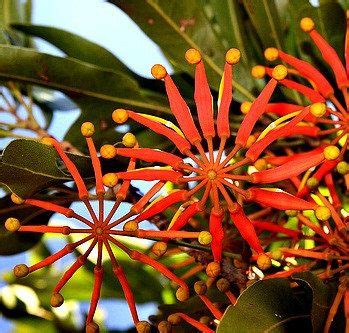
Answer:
(200, 287)
(250, 141)
(233, 56)
(108, 151)
(322, 213)
(164, 327)
(12, 224)
(174, 319)
(159, 248)
(21, 270)
(261, 164)
(56, 300)
(130, 226)
(271, 53)
(182, 294)
(258, 71)
(213, 269)
(279, 72)
(158, 71)
(318, 109)
(87, 129)
(193, 56)
(312, 182)
(291, 212)
(331, 152)
(110, 179)
(16, 199)
(307, 24)
(276, 255)
(263, 262)
(143, 327)
(92, 327)
(343, 167)
(120, 116)
(205, 238)
(223, 285)
(245, 107)
(47, 140)
(129, 140)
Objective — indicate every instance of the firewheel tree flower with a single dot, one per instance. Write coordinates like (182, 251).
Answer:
(211, 174)
(330, 117)
(99, 232)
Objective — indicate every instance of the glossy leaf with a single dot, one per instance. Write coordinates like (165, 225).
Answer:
(266, 306)
(75, 46)
(12, 243)
(27, 166)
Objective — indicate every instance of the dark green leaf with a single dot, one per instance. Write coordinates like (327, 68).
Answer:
(322, 297)
(12, 243)
(75, 46)
(27, 166)
(265, 18)
(266, 306)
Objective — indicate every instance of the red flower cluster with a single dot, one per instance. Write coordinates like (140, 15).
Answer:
(99, 232)
(219, 181)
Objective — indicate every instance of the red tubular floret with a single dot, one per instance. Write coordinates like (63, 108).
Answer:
(311, 131)
(283, 109)
(161, 205)
(278, 160)
(181, 143)
(245, 227)
(272, 227)
(217, 233)
(181, 111)
(257, 109)
(199, 326)
(223, 127)
(50, 206)
(290, 169)
(278, 199)
(324, 169)
(306, 69)
(83, 193)
(331, 57)
(150, 174)
(135, 255)
(336, 202)
(258, 147)
(203, 101)
(96, 166)
(96, 293)
(310, 93)
(187, 214)
(151, 155)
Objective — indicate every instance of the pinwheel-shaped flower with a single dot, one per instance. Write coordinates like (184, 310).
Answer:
(329, 121)
(99, 231)
(210, 170)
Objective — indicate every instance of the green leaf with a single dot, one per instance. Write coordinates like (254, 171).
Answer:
(75, 46)
(13, 243)
(177, 29)
(10, 11)
(322, 298)
(266, 306)
(27, 166)
(266, 21)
